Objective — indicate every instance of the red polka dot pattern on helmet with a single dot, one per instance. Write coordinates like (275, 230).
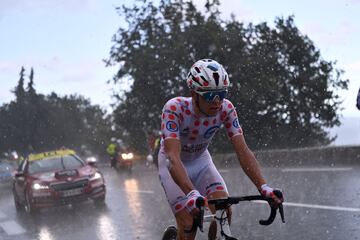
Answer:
(173, 108)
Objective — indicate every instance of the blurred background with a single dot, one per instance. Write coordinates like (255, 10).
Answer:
(79, 73)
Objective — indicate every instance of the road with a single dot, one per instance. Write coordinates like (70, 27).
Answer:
(321, 203)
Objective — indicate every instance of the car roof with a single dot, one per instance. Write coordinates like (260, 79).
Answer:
(50, 154)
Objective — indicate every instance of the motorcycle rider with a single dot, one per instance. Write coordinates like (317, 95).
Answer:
(112, 150)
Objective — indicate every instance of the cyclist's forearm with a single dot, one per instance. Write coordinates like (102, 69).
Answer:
(251, 168)
(179, 175)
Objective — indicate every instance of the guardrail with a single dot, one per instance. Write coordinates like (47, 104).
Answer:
(323, 156)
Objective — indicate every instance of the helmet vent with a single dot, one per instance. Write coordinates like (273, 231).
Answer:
(216, 77)
(195, 79)
(213, 67)
(197, 69)
(202, 77)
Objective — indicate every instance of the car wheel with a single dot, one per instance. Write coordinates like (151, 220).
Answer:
(100, 201)
(29, 209)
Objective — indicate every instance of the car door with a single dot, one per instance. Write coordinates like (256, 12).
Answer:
(19, 181)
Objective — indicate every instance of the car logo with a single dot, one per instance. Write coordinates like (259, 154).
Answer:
(69, 179)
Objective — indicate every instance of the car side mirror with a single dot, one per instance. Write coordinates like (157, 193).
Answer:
(19, 174)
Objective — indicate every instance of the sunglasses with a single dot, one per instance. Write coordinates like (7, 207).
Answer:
(210, 96)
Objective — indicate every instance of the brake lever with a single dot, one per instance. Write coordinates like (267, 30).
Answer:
(281, 211)
(200, 204)
(279, 194)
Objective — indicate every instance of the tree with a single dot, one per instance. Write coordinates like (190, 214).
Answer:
(41, 123)
(30, 88)
(19, 90)
(283, 90)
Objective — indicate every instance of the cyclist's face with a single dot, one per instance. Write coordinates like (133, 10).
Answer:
(210, 108)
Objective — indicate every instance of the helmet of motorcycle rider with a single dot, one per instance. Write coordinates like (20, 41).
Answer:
(149, 158)
(207, 75)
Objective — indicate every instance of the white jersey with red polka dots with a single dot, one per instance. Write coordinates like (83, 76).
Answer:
(180, 121)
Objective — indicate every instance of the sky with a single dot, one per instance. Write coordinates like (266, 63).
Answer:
(65, 41)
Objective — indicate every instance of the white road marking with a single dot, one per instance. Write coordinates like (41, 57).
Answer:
(12, 228)
(320, 169)
(140, 191)
(316, 206)
(336, 208)
(2, 215)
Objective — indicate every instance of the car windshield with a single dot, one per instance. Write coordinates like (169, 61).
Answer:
(5, 167)
(55, 163)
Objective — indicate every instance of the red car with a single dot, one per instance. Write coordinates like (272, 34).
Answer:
(56, 178)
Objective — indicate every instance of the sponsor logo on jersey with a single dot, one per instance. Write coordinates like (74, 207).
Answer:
(236, 123)
(185, 132)
(194, 147)
(210, 132)
(172, 126)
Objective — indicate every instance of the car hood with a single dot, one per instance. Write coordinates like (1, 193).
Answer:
(67, 174)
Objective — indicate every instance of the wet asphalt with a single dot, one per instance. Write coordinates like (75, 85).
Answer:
(321, 203)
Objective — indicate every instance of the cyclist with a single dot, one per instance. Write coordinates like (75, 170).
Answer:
(186, 168)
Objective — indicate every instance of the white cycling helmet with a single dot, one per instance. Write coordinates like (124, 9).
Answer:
(207, 75)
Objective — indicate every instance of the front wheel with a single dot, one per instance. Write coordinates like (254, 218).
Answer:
(29, 207)
(170, 233)
(99, 202)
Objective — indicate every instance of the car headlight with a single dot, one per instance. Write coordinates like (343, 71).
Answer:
(127, 156)
(39, 186)
(91, 160)
(96, 176)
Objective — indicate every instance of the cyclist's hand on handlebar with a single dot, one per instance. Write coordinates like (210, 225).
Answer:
(275, 194)
(191, 201)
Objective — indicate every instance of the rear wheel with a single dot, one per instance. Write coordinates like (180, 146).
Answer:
(170, 233)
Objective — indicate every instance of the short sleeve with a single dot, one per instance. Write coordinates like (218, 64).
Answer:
(231, 121)
(170, 119)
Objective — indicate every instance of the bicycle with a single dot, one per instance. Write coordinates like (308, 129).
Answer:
(221, 217)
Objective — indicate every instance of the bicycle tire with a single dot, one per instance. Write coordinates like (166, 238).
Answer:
(170, 233)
